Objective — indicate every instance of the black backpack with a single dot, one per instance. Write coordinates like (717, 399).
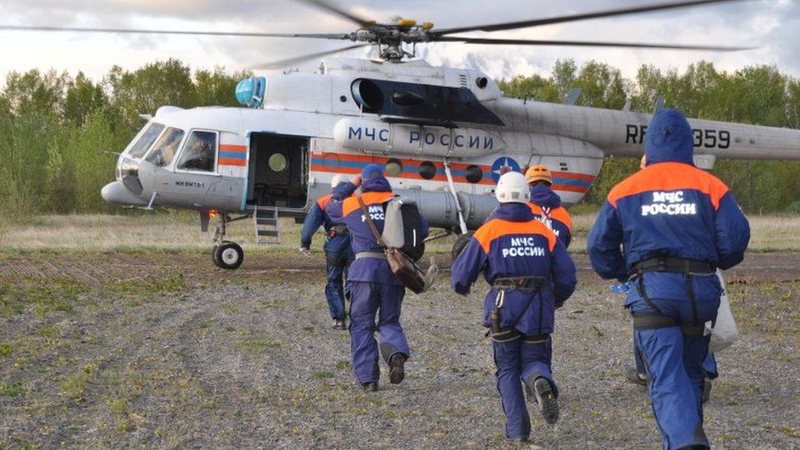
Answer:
(402, 227)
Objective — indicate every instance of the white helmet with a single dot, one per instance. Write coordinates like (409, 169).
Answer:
(338, 178)
(512, 188)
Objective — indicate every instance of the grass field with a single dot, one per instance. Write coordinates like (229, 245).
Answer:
(180, 231)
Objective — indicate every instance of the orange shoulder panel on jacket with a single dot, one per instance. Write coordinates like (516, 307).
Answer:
(562, 216)
(535, 208)
(669, 176)
(322, 202)
(496, 228)
(350, 204)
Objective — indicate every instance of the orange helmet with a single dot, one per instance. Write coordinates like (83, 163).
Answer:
(538, 173)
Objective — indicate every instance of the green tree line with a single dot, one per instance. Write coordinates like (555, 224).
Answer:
(756, 95)
(59, 134)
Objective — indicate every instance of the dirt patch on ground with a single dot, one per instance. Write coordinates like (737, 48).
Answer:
(96, 269)
(166, 351)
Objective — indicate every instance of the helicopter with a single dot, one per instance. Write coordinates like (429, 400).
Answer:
(444, 135)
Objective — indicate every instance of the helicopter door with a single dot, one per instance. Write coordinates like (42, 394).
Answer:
(278, 170)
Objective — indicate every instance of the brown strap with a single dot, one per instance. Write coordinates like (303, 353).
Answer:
(370, 222)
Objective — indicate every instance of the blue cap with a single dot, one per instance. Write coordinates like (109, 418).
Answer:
(669, 138)
(372, 171)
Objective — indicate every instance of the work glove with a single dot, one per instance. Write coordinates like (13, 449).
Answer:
(305, 250)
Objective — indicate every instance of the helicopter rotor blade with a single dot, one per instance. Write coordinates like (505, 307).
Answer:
(574, 18)
(337, 36)
(487, 41)
(298, 59)
(323, 4)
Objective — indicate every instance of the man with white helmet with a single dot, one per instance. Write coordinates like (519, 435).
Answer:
(338, 254)
(530, 274)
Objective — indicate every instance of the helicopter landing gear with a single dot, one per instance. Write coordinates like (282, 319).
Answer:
(226, 254)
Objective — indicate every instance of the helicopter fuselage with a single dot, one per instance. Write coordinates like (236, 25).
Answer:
(445, 135)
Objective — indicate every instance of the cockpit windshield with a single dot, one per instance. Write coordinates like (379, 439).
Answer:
(146, 139)
(164, 150)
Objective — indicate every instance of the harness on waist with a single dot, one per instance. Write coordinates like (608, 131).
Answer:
(529, 283)
(653, 321)
(533, 284)
(362, 255)
(671, 264)
(689, 267)
(513, 334)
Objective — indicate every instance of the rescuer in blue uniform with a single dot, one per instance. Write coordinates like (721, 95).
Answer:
(638, 373)
(530, 274)
(338, 254)
(677, 225)
(547, 204)
(374, 290)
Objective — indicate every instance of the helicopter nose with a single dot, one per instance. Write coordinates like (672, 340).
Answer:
(116, 192)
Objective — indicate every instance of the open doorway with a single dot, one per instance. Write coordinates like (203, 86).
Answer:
(278, 170)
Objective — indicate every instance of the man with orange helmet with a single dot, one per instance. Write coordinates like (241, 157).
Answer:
(546, 204)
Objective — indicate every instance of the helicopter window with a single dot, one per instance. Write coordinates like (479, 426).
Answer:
(473, 174)
(200, 151)
(277, 162)
(393, 167)
(166, 147)
(146, 140)
(427, 170)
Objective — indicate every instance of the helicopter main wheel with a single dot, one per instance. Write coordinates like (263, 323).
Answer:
(459, 244)
(228, 255)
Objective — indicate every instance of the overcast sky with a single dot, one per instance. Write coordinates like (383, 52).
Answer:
(772, 25)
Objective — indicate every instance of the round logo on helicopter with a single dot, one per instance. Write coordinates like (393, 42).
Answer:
(502, 165)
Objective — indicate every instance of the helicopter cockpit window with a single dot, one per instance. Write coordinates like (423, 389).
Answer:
(166, 147)
(200, 152)
(277, 162)
(146, 140)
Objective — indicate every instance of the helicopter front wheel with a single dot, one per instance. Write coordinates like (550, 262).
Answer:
(459, 244)
(228, 255)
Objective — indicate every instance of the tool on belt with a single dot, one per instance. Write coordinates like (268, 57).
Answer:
(531, 284)
(338, 230)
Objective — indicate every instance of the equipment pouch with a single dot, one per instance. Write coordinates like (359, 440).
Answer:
(403, 267)
(724, 333)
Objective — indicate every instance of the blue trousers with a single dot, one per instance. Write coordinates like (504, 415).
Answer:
(368, 300)
(518, 361)
(674, 363)
(709, 364)
(335, 290)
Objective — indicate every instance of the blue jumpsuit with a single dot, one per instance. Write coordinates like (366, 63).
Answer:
(515, 244)
(374, 288)
(338, 254)
(671, 209)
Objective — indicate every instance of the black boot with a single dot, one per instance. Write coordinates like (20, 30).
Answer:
(397, 371)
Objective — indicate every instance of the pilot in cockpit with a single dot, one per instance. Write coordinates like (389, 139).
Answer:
(199, 157)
